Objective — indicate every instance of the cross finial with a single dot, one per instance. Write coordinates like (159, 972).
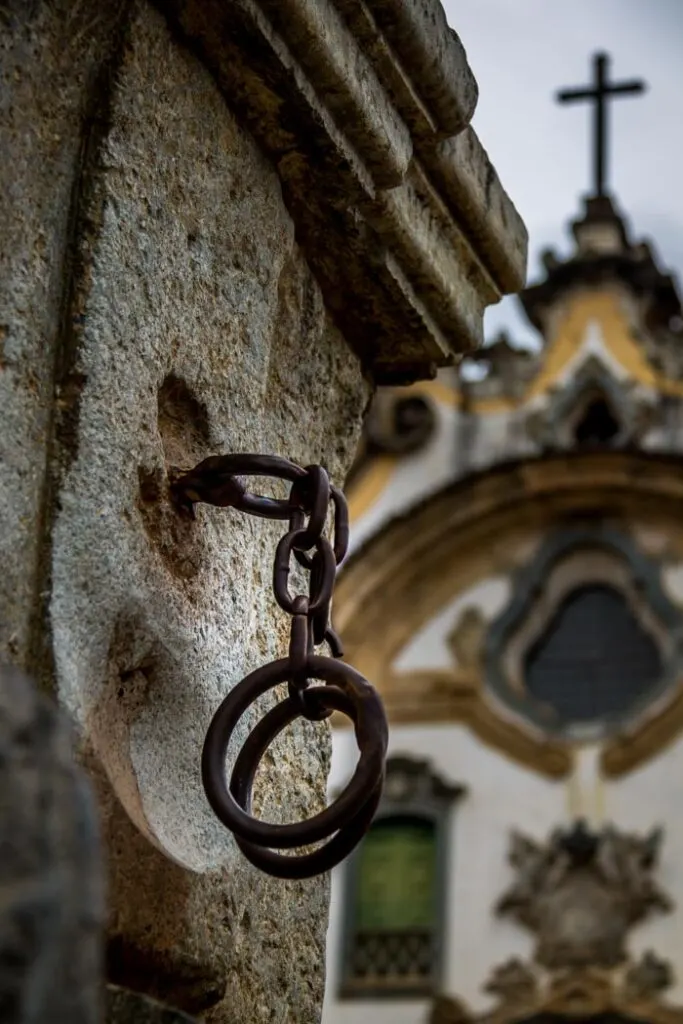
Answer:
(598, 93)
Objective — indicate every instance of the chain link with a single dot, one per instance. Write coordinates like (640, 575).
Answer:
(218, 481)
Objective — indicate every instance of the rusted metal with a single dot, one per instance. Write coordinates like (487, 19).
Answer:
(217, 481)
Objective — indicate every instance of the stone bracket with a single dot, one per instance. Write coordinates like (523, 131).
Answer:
(363, 107)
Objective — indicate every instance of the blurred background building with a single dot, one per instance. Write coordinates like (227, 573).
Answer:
(515, 590)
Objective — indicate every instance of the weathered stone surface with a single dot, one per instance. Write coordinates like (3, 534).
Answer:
(51, 893)
(469, 185)
(130, 1008)
(49, 106)
(200, 329)
(354, 102)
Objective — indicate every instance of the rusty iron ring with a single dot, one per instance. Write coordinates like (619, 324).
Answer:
(329, 698)
(323, 585)
(340, 541)
(312, 494)
(371, 734)
(216, 481)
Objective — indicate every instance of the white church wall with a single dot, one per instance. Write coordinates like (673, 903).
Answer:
(412, 478)
(428, 648)
(501, 796)
(646, 798)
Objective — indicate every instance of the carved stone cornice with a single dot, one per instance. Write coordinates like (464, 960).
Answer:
(364, 106)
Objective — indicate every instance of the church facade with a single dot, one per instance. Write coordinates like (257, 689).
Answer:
(515, 590)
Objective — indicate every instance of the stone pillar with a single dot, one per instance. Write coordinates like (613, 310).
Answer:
(51, 884)
(224, 221)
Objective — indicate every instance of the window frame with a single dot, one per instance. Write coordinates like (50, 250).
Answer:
(528, 583)
(558, 641)
(426, 798)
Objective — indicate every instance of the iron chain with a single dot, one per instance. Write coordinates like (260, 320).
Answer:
(218, 481)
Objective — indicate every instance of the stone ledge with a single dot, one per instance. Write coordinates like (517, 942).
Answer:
(124, 1007)
(360, 103)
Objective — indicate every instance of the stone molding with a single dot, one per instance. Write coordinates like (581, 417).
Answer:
(454, 696)
(364, 108)
(645, 738)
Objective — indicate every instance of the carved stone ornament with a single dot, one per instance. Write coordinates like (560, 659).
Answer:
(554, 427)
(512, 982)
(511, 367)
(523, 992)
(649, 977)
(400, 422)
(581, 892)
(447, 1010)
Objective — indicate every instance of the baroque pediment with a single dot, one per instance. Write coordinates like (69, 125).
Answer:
(557, 424)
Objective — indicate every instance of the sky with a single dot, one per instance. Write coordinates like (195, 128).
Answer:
(521, 52)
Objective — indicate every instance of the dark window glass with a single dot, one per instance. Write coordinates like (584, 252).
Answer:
(595, 659)
(395, 905)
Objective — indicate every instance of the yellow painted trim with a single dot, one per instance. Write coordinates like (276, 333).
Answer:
(444, 394)
(567, 338)
(491, 406)
(602, 307)
(439, 696)
(371, 484)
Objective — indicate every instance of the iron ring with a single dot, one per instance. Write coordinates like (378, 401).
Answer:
(218, 472)
(326, 572)
(349, 835)
(371, 734)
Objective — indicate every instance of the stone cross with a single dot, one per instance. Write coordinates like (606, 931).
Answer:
(598, 93)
